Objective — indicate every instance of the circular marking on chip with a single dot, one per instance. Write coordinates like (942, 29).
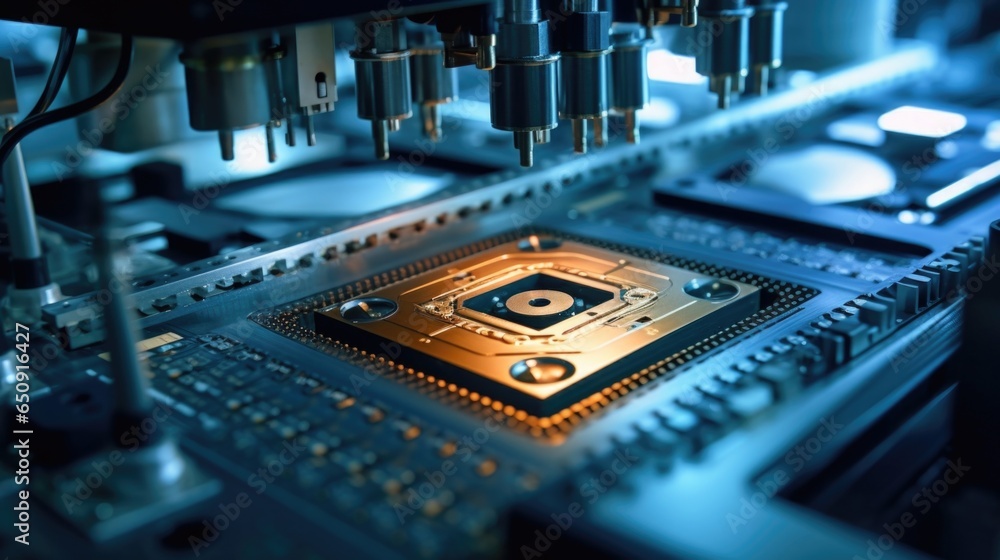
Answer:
(540, 302)
(542, 370)
(368, 309)
(711, 289)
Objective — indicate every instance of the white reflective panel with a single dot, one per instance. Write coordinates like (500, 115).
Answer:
(920, 121)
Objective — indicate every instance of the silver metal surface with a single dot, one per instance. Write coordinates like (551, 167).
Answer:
(584, 95)
(486, 51)
(315, 72)
(511, 82)
(227, 85)
(540, 302)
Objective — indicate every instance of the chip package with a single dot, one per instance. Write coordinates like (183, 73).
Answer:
(540, 323)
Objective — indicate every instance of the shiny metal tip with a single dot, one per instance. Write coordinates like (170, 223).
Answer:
(722, 86)
(272, 149)
(432, 121)
(310, 131)
(601, 132)
(689, 17)
(380, 132)
(631, 127)
(290, 133)
(761, 77)
(524, 141)
(580, 136)
(227, 144)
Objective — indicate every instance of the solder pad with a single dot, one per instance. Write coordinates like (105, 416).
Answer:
(540, 323)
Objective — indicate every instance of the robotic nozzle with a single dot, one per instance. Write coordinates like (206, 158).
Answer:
(585, 69)
(523, 89)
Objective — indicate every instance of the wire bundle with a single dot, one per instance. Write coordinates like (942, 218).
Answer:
(40, 116)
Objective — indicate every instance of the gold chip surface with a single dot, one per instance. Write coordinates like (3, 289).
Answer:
(540, 323)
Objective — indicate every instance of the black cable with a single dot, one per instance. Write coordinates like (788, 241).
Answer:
(60, 66)
(31, 124)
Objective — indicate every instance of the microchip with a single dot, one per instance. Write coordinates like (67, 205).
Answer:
(541, 323)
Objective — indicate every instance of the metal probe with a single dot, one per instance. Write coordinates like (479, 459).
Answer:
(382, 72)
(723, 39)
(303, 78)
(227, 89)
(433, 84)
(629, 83)
(586, 54)
(766, 47)
(523, 87)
